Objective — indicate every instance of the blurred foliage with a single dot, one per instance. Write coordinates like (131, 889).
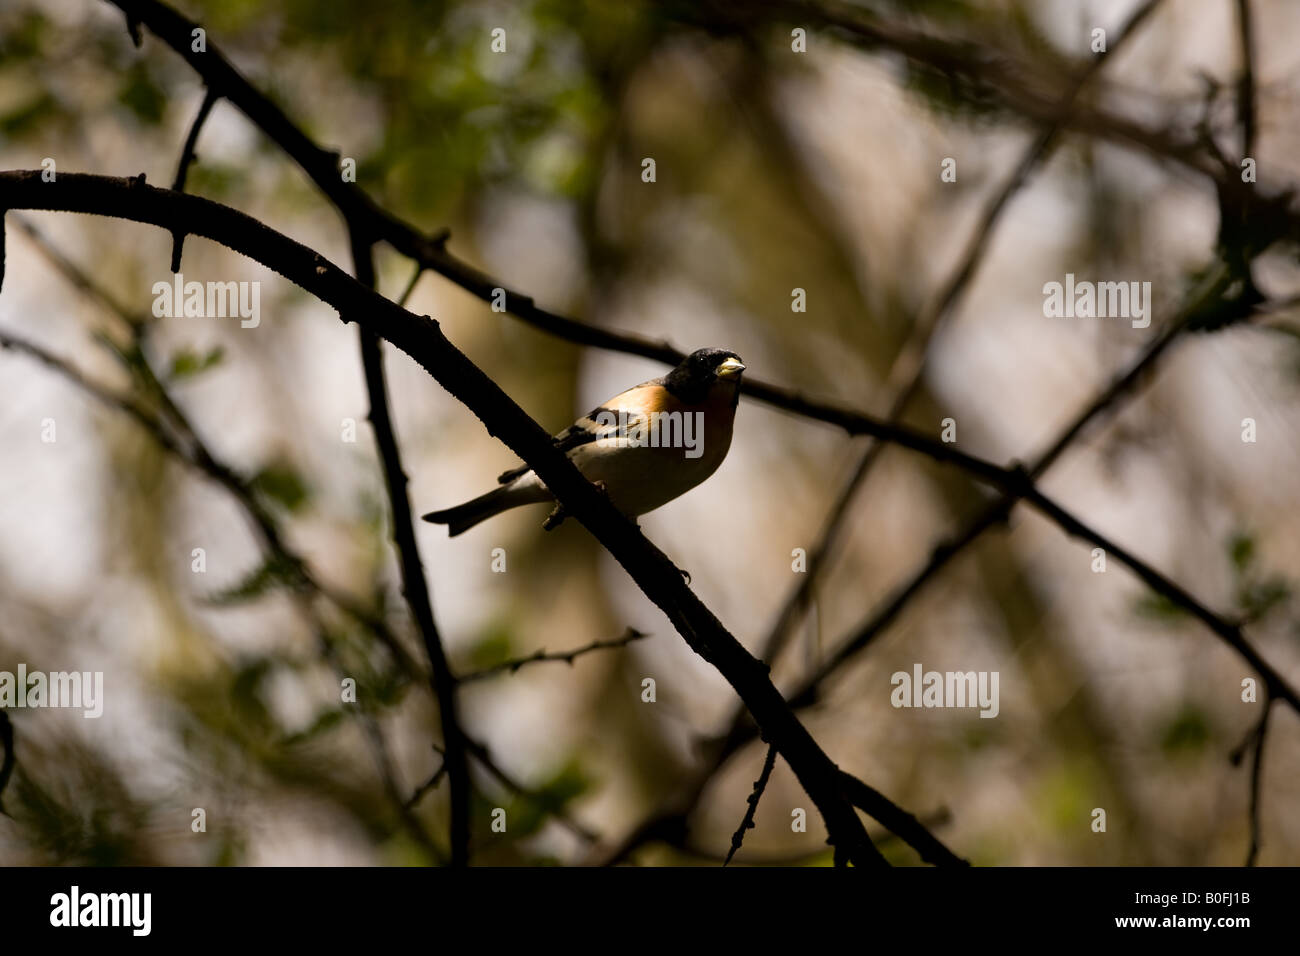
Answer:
(283, 483)
(187, 363)
(272, 573)
(1187, 733)
(440, 127)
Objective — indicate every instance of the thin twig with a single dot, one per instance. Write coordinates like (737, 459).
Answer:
(159, 432)
(541, 656)
(428, 785)
(747, 823)
(183, 166)
(1254, 741)
(190, 449)
(565, 819)
(907, 371)
(422, 339)
(363, 213)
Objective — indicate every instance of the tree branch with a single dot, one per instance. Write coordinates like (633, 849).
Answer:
(541, 656)
(363, 214)
(196, 454)
(422, 339)
(414, 587)
(183, 166)
(747, 823)
(1255, 741)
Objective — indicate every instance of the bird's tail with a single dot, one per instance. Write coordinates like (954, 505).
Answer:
(463, 517)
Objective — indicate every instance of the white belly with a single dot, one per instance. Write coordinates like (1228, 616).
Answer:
(641, 479)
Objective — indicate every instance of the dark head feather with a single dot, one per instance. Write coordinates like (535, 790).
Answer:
(691, 380)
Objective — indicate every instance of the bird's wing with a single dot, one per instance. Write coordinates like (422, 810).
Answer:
(613, 419)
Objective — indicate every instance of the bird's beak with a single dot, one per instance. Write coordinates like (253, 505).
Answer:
(731, 368)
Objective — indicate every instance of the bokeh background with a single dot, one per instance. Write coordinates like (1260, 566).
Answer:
(776, 170)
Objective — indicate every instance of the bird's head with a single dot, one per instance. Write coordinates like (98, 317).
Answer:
(701, 371)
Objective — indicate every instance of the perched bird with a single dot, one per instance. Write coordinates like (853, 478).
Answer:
(645, 446)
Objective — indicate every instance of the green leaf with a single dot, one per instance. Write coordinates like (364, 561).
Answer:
(1158, 607)
(1187, 733)
(270, 574)
(1241, 547)
(1258, 598)
(322, 723)
(283, 484)
(142, 96)
(187, 363)
(26, 118)
(493, 648)
(531, 812)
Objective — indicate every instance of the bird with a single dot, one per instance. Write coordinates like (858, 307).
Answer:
(643, 448)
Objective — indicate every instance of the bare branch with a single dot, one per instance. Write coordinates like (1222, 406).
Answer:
(183, 166)
(747, 823)
(578, 829)
(414, 587)
(428, 785)
(422, 339)
(365, 215)
(905, 826)
(541, 656)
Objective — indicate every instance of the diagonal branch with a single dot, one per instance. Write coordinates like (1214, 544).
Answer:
(903, 825)
(905, 375)
(363, 214)
(1202, 301)
(159, 431)
(422, 339)
(189, 447)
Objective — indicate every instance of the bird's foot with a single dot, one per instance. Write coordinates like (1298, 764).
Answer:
(685, 574)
